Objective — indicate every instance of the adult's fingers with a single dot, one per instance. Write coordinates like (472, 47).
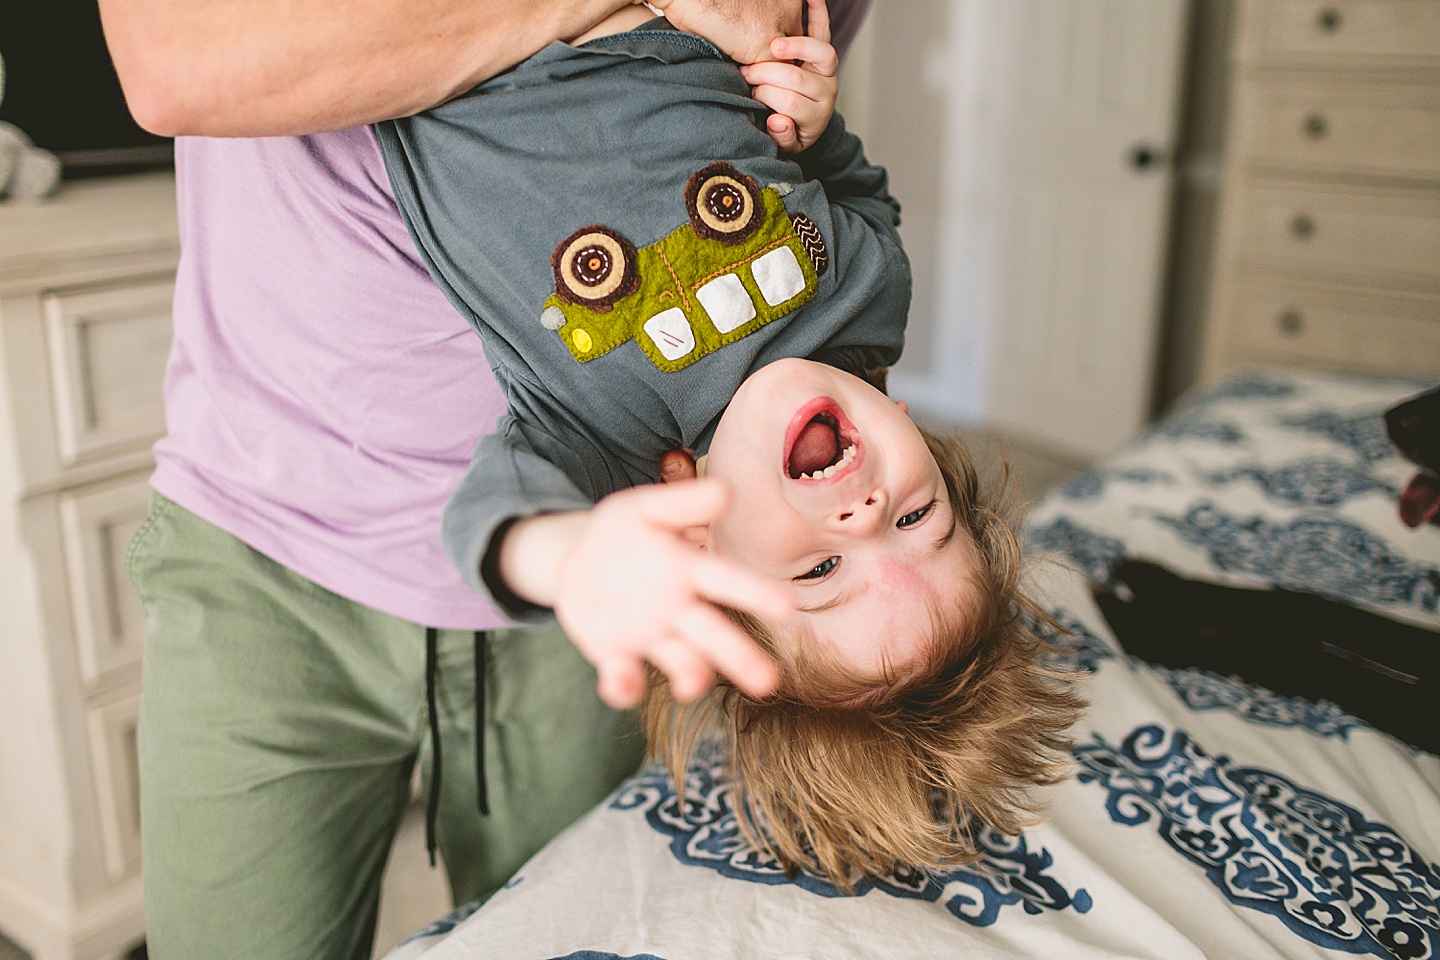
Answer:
(817, 19)
(729, 584)
(732, 652)
(621, 681)
(689, 673)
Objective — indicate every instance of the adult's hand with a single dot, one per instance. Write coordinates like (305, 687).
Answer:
(743, 29)
(281, 67)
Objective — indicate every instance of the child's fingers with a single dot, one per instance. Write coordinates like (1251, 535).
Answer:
(815, 55)
(689, 673)
(773, 73)
(727, 647)
(785, 102)
(817, 20)
(677, 465)
(782, 130)
(621, 681)
(729, 584)
(685, 503)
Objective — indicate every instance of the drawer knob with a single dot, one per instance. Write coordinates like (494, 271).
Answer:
(1145, 156)
(1329, 20)
(1303, 226)
(1316, 126)
(1291, 322)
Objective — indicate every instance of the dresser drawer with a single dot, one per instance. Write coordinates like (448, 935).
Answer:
(1365, 129)
(114, 756)
(1295, 323)
(1331, 30)
(97, 524)
(108, 349)
(1358, 234)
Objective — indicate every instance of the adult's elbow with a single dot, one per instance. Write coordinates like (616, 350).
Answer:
(157, 108)
(156, 73)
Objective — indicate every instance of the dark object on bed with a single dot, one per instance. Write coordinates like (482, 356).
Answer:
(1414, 428)
(1296, 644)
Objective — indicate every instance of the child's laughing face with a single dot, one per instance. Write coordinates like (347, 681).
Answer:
(836, 495)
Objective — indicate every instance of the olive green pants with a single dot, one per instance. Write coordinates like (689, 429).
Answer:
(279, 728)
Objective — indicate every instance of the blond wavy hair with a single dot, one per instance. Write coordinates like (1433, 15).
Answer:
(849, 776)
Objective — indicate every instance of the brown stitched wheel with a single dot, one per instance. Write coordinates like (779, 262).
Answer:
(723, 203)
(594, 266)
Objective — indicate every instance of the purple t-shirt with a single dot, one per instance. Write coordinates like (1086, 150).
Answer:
(323, 397)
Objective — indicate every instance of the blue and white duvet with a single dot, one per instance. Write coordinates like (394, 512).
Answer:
(1207, 818)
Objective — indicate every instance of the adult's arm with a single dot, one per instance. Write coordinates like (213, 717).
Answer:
(281, 67)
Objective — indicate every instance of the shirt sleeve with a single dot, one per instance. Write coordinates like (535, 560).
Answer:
(515, 472)
(867, 301)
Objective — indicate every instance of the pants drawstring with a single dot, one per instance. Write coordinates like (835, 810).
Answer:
(432, 801)
(481, 790)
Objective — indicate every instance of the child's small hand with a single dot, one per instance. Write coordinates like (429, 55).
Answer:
(800, 85)
(629, 588)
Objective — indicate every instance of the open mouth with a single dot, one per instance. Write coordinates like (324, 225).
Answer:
(821, 443)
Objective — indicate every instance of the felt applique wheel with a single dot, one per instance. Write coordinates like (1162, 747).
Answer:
(723, 203)
(594, 266)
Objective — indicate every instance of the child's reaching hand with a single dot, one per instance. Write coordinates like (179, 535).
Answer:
(800, 84)
(627, 587)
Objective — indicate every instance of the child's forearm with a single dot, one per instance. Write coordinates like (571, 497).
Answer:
(531, 552)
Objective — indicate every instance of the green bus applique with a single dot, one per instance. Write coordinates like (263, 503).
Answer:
(740, 263)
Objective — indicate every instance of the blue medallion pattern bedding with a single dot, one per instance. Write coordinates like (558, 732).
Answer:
(1207, 817)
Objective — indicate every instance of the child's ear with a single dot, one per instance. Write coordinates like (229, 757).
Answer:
(904, 407)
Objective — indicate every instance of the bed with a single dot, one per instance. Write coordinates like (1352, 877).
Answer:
(1208, 817)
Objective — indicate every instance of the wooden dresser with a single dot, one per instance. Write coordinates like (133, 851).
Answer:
(1328, 246)
(86, 284)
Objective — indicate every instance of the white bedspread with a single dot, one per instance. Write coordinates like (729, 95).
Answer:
(1207, 818)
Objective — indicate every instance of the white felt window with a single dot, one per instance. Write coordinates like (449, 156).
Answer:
(727, 301)
(671, 333)
(778, 275)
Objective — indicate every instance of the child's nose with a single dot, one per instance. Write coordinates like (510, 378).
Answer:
(863, 516)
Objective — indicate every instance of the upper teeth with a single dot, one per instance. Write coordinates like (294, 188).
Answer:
(836, 467)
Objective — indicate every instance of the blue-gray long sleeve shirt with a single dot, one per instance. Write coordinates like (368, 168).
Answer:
(618, 227)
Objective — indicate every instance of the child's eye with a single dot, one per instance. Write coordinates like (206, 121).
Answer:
(821, 569)
(915, 516)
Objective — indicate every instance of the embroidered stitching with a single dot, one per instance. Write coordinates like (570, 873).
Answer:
(752, 258)
(676, 277)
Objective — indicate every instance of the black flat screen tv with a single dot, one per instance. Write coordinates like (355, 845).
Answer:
(61, 90)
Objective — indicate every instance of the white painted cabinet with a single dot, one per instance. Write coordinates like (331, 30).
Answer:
(86, 283)
(1328, 251)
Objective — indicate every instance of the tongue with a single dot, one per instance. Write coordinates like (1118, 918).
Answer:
(815, 449)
